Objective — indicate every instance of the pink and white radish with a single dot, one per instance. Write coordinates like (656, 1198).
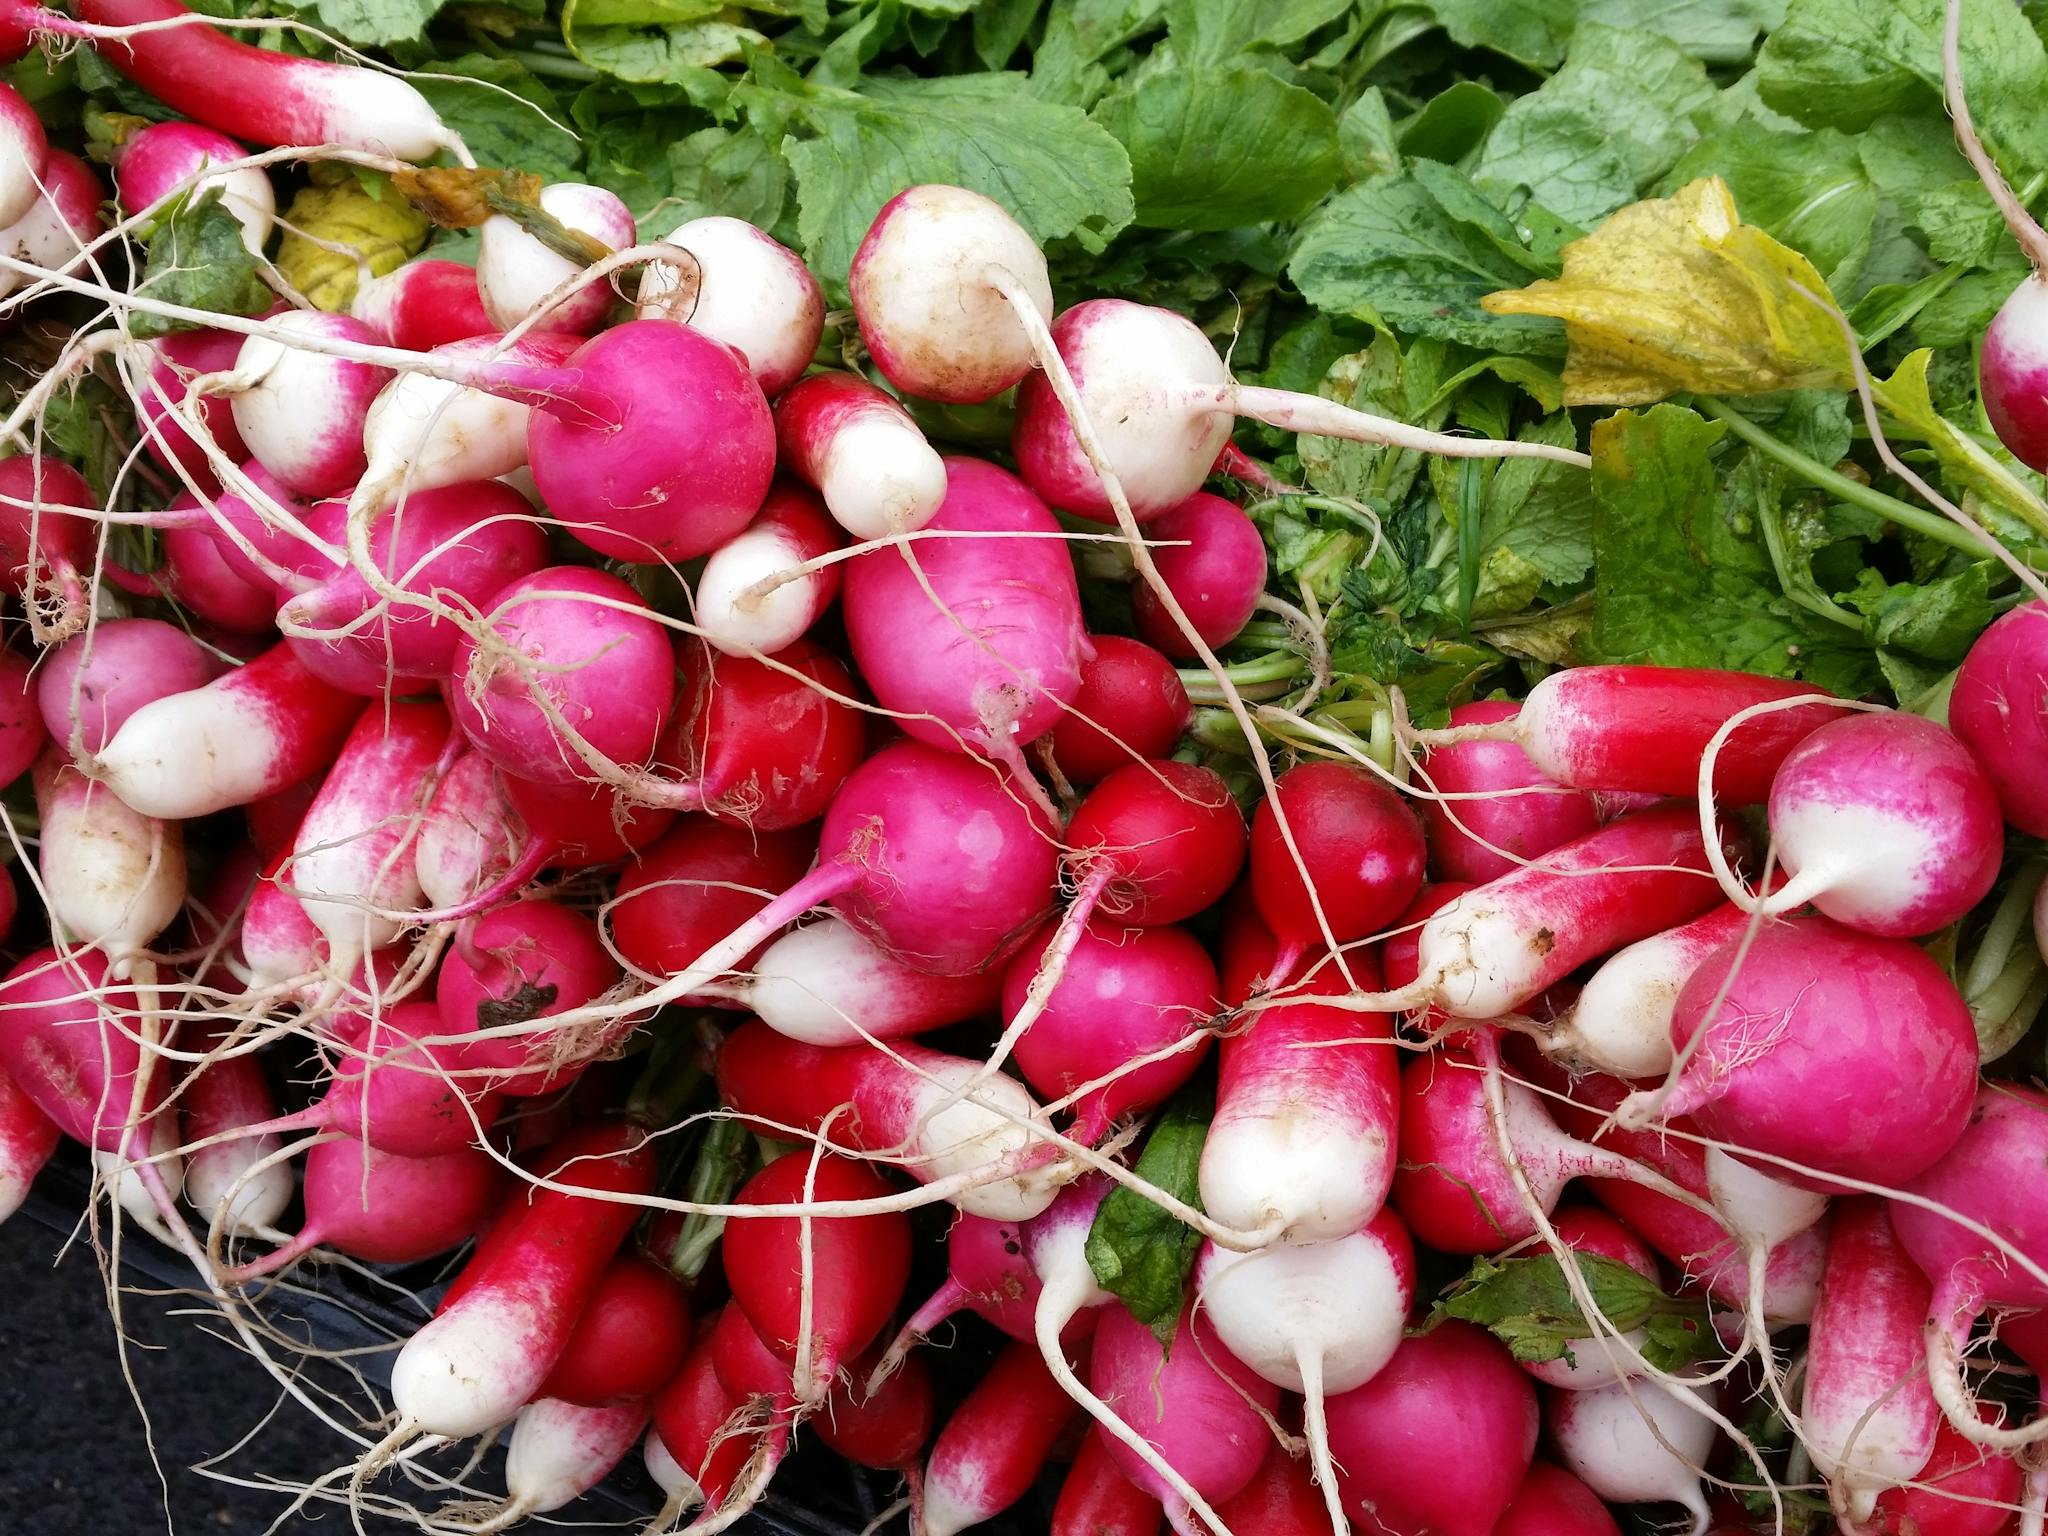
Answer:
(631, 1338)
(63, 220)
(1501, 812)
(517, 271)
(280, 945)
(743, 604)
(1213, 559)
(1132, 707)
(424, 304)
(27, 1138)
(1155, 843)
(703, 1432)
(515, 965)
(996, 1443)
(237, 1182)
(47, 542)
(87, 687)
(168, 410)
(160, 160)
(113, 877)
(70, 1039)
(740, 286)
(1999, 710)
(302, 412)
(558, 1452)
(1636, 1442)
(987, 1273)
(23, 149)
(686, 891)
(863, 452)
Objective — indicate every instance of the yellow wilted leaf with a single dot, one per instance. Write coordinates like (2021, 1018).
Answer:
(1677, 293)
(384, 230)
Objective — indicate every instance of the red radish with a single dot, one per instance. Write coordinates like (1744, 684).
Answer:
(697, 1424)
(63, 220)
(864, 453)
(559, 1452)
(905, 1106)
(1132, 707)
(884, 1426)
(223, 1182)
(987, 1273)
(573, 643)
(94, 681)
(1845, 1054)
(1963, 1490)
(160, 160)
(23, 149)
(1636, 1442)
(1356, 844)
(975, 641)
(1867, 1417)
(740, 286)
(1999, 710)
(1214, 561)
(265, 536)
(424, 304)
(1551, 1502)
(995, 1444)
(631, 1338)
(1280, 1500)
(516, 271)
(198, 576)
(1511, 807)
(23, 725)
(817, 1290)
(1163, 403)
(302, 414)
(1596, 1362)
(517, 964)
(386, 1209)
(695, 885)
(488, 1351)
(113, 878)
(46, 545)
(936, 286)
(1155, 843)
(733, 611)
(1096, 1499)
(748, 1367)
(1440, 1440)
(27, 1138)
(167, 410)
(69, 1041)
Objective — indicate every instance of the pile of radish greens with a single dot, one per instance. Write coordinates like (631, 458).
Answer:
(1269, 766)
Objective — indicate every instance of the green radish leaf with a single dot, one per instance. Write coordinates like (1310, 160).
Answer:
(374, 23)
(1527, 1304)
(1138, 1252)
(197, 259)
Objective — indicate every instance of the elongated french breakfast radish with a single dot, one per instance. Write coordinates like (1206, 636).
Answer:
(47, 550)
(262, 96)
(23, 733)
(827, 983)
(1213, 559)
(223, 1182)
(559, 1451)
(517, 964)
(1096, 1499)
(631, 1338)
(27, 1138)
(303, 411)
(517, 271)
(70, 1041)
(905, 1106)
(1595, 1362)
(1510, 813)
(987, 1273)
(198, 577)
(1964, 1490)
(733, 610)
(1551, 1502)
(1132, 707)
(1999, 710)
(280, 945)
(865, 454)
(995, 1444)
(59, 224)
(698, 882)
(488, 1351)
(88, 686)
(23, 149)
(160, 159)
(700, 1426)
(166, 403)
(114, 878)
(426, 303)
(739, 285)
(1635, 1442)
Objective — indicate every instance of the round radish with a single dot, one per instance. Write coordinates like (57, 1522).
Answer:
(1214, 561)
(632, 1337)
(58, 226)
(302, 415)
(1596, 1362)
(1999, 710)
(516, 271)
(697, 884)
(160, 158)
(165, 403)
(1501, 803)
(733, 611)
(1132, 707)
(424, 304)
(88, 686)
(515, 965)
(1636, 1442)
(739, 286)
(46, 547)
(1156, 843)
(23, 149)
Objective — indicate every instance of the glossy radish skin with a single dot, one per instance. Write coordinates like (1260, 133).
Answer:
(988, 659)
(65, 217)
(697, 1424)
(517, 964)
(1164, 840)
(1606, 1437)
(515, 272)
(161, 158)
(995, 1444)
(94, 681)
(884, 1427)
(23, 730)
(1280, 1500)
(62, 1045)
(399, 1094)
(2010, 371)
(1096, 1499)
(469, 836)
(424, 304)
(925, 291)
(790, 530)
(1523, 825)
(1132, 707)
(1999, 710)
(759, 744)
(225, 1094)
(1964, 1490)
(631, 1338)
(863, 452)
(176, 362)
(1551, 1502)
(695, 885)
(45, 549)
(987, 1273)
(27, 1138)
(23, 149)
(303, 418)
(279, 943)
(738, 285)
(112, 877)
(1213, 559)
(827, 983)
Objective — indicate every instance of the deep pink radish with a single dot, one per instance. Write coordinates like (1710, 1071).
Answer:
(517, 964)
(742, 605)
(1123, 993)
(23, 725)
(903, 1106)
(279, 943)
(113, 878)
(166, 403)
(864, 453)
(27, 1138)
(936, 287)
(1512, 807)
(47, 547)
(1069, 1300)
(94, 681)
(222, 1181)
(469, 837)
(885, 1426)
(632, 1337)
(1596, 1362)
(69, 1040)
(1132, 707)
(398, 1093)
(827, 983)
(197, 576)
(1964, 1490)
(1163, 404)
(1551, 1502)
(978, 644)
(262, 96)
(1439, 1440)
(426, 303)
(698, 1423)
(62, 221)
(1156, 842)
(489, 1349)
(274, 820)
(738, 285)
(1999, 710)
(1361, 849)
(302, 416)
(987, 1273)
(1636, 1442)
(566, 641)
(516, 272)
(1213, 560)
(160, 160)
(1867, 1416)
(1885, 822)
(695, 885)
(1846, 1054)
(352, 864)
(559, 1451)
(856, 1271)
(1280, 1500)
(996, 1443)
(263, 533)
(23, 149)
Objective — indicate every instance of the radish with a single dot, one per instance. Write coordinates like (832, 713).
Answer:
(198, 577)
(987, 1273)
(817, 1290)
(742, 287)
(303, 411)
(1439, 1440)
(883, 1426)
(487, 1351)
(742, 604)
(697, 1423)
(274, 820)
(160, 160)
(1163, 403)
(1313, 1318)
(1155, 843)
(23, 727)
(1842, 1053)
(1214, 561)
(864, 453)
(517, 271)
(1510, 806)
(259, 95)
(1596, 1362)
(69, 1041)
(383, 1208)
(1999, 710)
(63, 220)
(94, 681)
(1551, 1502)
(236, 1182)
(1636, 1442)
(1962, 1491)
(27, 1138)
(1280, 1500)
(995, 1444)
(517, 964)
(631, 1338)
(167, 410)
(1354, 844)
(1867, 1417)
(558, 1452)
(424, 304)
(1132, 707)
(976, 642)
(698, 883)
(114, 878)
(23, 149)
(46, 545)
(749, 1369)
(1096, 1499)
(907, 1107)
(279, 942)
